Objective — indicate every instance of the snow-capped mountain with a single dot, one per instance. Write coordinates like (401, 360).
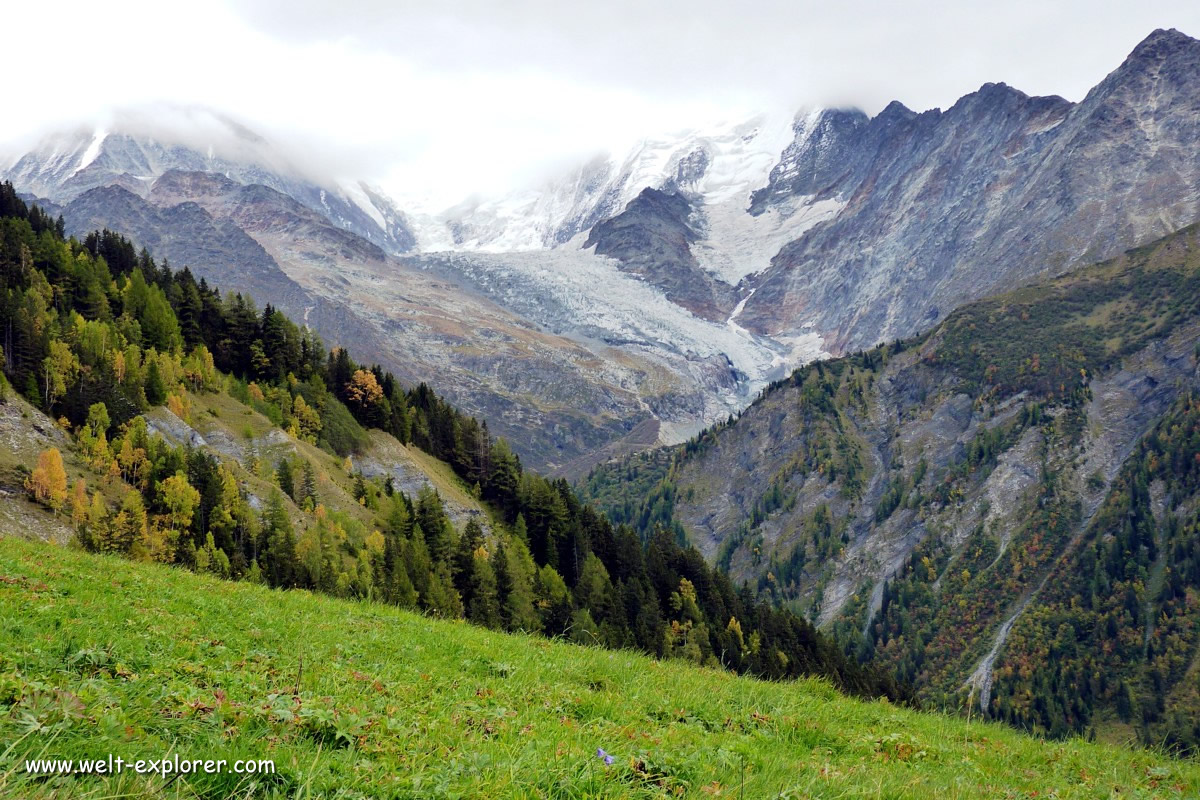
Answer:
(135, 147)
(716, 169)
(562, 349)
(649, 293)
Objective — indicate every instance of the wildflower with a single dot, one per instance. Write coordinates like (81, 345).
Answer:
(603, 755)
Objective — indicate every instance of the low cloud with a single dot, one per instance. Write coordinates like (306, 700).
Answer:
(439, 100)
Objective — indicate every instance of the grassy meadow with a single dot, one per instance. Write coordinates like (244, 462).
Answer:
(99, 655)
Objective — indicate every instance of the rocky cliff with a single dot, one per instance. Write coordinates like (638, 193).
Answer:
(947, 206)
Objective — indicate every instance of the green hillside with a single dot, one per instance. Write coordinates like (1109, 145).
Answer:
(99, 655)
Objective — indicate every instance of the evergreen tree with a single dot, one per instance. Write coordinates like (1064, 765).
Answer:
(283, 475)
(308, 489)
(400, 588)
(278, 550)
(484, 606)
(419, 565)
(553, 600)
(433, 521)
(442, 598)
(156, 389)
(514, 570)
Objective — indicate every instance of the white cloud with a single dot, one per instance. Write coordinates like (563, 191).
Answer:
(446, 98)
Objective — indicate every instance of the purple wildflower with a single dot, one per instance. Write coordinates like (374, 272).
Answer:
(601, 754)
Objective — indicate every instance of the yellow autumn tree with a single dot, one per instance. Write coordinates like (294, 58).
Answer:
(118, 365)
(181, 500)
(375, 543)
(133, 461)
(306, 418)
(93, 438)
(48, 481)
(80, 502)
(94, 531)
(59, 370)
(363, 389)
(199, 370)
(179, 406)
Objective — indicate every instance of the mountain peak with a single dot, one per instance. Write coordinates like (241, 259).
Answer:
(1162, 42)
(989, 96)
(1166, 56)
(1161, 48)
(897, 110)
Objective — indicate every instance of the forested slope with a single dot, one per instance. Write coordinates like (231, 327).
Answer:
(1002, 510)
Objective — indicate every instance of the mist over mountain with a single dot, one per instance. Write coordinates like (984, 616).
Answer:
(640, 296)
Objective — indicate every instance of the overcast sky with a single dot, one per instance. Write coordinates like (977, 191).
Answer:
(449, 97)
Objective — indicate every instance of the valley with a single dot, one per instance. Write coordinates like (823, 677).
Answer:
(755, 454)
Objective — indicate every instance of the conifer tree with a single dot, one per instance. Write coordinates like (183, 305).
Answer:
(400, 589)
(553, 600)
(156, 390)
(442, 598)
(399, 522)
(59, 370)
(278, 551)
(308, 490)
(484, 607)
(283, 475)
(128, 530)
(514, 586)
(79, 502)
(419, 564)
(432, 519)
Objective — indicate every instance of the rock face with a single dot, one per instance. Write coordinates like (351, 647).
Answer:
(950, 502)
(185, 234)
(944, 207)
(652, 239)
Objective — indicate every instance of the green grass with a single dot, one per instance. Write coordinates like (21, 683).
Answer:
(99, 655)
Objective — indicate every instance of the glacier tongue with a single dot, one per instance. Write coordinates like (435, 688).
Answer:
(573, 292)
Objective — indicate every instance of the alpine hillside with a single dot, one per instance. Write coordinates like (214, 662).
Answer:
(1003, 509)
